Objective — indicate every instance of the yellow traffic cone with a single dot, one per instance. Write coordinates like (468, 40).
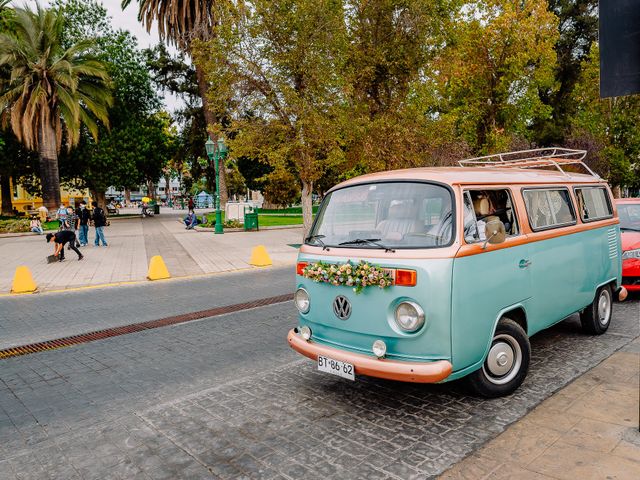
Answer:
(23, 281)
(157, 269)
(260, 257)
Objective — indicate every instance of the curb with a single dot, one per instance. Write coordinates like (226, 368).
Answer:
(233, 230)
(146, 282)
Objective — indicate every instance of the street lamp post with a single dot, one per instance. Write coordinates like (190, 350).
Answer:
(218, 150)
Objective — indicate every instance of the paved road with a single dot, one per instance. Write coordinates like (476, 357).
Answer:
(33, 318)
(226, 398)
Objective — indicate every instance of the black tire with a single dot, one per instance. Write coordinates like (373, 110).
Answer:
(511, 345)
(596, 317)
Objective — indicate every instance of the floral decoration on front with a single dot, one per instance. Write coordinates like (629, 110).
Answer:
(358, 276)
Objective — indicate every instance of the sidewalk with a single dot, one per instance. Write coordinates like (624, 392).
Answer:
(587, 430)
(132, 242)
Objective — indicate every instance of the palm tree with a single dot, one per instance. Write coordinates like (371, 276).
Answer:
(50, 91)
(180, 22)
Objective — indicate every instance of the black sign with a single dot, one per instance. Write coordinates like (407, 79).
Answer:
(619, 47)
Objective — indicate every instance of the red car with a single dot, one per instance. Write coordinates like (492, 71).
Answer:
(629, 213)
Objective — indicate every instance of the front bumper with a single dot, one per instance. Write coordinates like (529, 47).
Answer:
(631, 274)
(422, 372)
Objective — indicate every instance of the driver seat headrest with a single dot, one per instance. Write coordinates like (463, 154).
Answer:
(481, 206)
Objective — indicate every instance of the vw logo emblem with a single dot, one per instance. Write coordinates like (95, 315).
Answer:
(342, 307)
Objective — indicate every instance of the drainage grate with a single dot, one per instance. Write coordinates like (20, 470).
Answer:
(138, 327)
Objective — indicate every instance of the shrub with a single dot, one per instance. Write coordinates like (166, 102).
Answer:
(14, 226)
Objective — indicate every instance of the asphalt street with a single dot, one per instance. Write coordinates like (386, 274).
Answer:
(225, 397)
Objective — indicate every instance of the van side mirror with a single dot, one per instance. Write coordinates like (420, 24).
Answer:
(495, 232)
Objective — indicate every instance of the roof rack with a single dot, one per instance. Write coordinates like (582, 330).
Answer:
(540, 157)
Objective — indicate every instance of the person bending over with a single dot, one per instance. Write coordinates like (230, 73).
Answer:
(60, 239)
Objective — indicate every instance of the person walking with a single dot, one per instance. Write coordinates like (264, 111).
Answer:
(62, 216)
(191, 204)
(60, 239)
(99, 221)
(84, 216)
(71, 223)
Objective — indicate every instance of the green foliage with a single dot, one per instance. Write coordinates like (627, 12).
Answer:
(140, 141)
(578, 30)
(281, 188)
(51, 86)
(610, 125)
(500, 56)
(14, 226)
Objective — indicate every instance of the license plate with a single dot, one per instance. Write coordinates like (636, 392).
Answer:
(336, 367)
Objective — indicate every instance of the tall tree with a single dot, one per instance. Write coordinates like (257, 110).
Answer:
(125, 151)
(392, 45)
(609, 126)
(284, 62)
(183, 23)
(501, 54)
(577, 31)
(52, 91)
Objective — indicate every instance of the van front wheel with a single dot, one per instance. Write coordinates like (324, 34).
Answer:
(507, 362)
(596, 317)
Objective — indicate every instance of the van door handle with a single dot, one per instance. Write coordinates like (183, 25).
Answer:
(524, 263)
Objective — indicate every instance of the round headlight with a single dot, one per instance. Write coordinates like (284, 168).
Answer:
(379, 348)
(409, 316)
(305, 332)
(301, 298)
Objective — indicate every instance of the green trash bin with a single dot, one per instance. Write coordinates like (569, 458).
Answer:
(251, 220)
(156, 209)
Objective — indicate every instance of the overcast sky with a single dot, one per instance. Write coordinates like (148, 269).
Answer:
(126, 20)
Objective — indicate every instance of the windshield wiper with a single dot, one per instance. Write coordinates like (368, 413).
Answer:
(370, 241)
(317, 238)
(630, 228)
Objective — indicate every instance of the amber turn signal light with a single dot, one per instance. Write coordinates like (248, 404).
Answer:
(406, 278)
(300, 267)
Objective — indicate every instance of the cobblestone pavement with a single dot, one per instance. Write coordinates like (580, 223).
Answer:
(226, 398)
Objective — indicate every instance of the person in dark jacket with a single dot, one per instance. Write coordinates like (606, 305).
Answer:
(99, 221)
(85, 217)
(60, 239)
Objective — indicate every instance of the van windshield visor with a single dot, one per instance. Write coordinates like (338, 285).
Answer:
(386, 215)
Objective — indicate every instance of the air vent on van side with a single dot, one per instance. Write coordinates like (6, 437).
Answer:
(612, 238)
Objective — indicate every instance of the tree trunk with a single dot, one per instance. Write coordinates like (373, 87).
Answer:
(49, 175)
(101, 198)
(615, 190)
(307, 208)
(211, 122)
(127, 197)
(6, 194)
(167, 188)
(151, 190)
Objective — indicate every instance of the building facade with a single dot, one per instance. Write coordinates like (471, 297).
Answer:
(24, 202)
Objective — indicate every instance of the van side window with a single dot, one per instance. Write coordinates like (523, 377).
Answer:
(593, 203)
(549, 208)
(482, 206)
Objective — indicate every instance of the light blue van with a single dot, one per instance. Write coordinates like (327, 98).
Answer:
(433, 274)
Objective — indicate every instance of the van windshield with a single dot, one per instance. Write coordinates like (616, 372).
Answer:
(385, 215)
(629, 216)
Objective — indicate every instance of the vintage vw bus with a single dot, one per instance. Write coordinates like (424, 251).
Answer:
(432, 274)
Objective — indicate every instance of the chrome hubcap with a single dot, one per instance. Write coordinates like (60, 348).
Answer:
(504, 360)
(604, 307)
